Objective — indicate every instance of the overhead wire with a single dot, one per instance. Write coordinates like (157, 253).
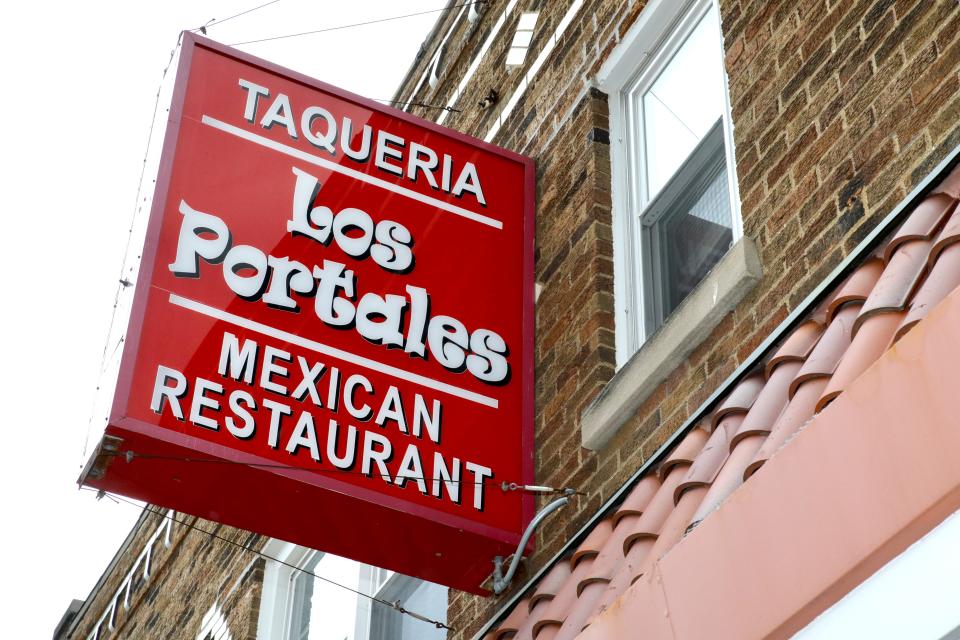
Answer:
(193, 527)
(359, 24)
(214, 22)
(122, 282)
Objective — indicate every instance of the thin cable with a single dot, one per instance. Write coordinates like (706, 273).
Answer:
(129, 456)
(215, 22)
(122, 282)
(393, 605)
(360, 24)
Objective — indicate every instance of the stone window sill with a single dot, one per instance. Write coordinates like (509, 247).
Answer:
(689, 325)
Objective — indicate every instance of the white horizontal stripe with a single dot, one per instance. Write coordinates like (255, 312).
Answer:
(333, 352)
(347, 171)
(527, 79)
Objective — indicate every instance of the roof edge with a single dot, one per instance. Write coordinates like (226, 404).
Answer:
(793, 320)
(397, 93)
(82, 611)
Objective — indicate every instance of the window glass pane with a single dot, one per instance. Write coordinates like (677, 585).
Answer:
(683, 103)
(329, 612)
(425, 598)
(693, 238)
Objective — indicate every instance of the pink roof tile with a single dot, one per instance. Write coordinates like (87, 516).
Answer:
(729, 478)
(770, 403)
(801, 409)
(740, 399)
(626, 574)
(651, 522)
(923, 223)
(706, 465)
(510, 626)
(591, 546)
(639, 498)
(684, 453)
(550, 585)
(857, 286)
(944, 277)
(825, 357)
(950, 185)
(556, 611)
(798, 346)
(948, 236)
(898, 282)
(871, 341)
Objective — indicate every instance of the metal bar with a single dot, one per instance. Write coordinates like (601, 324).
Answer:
(501, 582)
(829, 283)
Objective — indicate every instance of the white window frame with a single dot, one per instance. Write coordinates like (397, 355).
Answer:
(649, 45)
(389, 586)
(278, 597)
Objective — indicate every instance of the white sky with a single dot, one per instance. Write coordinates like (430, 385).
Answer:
(79, 80)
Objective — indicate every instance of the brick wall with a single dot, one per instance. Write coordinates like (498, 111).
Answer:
(186, 580)
(839, 108)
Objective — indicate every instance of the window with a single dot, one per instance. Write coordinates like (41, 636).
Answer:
(320, 609)
(295, 605)
(676, 210)
(378, 622)
(213, 625)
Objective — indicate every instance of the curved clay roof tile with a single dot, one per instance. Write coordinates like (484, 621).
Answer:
(641, 555)
(677, 524)
(556, 610)
(944, 277)
(871, 341)
(950, 235)
(651, 522)
(707, 464)
(525, 632)
(900, 279)
(856, 287)
(605, 565)
(638, 499)
(950, 184)
(550, 585)
(685, 452)
(591, 546)
(509, 627)
(729, 478)
(798, 346)
(801, 409)
(769, 405)
(922, 223)
(632, 565)
(740, 399)
(826, 355)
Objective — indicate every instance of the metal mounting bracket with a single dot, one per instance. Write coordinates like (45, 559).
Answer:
(500, 580)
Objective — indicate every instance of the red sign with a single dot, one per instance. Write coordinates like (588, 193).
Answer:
(332, 332)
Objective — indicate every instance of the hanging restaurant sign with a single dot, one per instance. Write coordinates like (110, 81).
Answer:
(332, 332)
